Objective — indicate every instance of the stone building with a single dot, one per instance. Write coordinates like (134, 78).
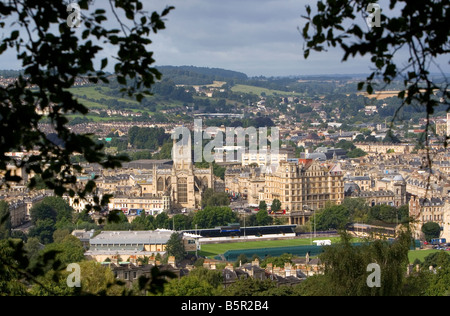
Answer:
(17, 213)
(157, 185)
(299, 184)
(382, 148)
(304, 184)
(184, 183)
(390, 190)
(152, 205)
(130, 272)
(424, 210)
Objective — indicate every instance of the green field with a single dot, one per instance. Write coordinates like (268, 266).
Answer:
(211, 250)
(95, 94)
(98, 93)
(257, 90)
(420, 254)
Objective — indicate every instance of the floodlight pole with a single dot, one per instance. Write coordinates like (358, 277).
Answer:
(244, 225)
(314, 223)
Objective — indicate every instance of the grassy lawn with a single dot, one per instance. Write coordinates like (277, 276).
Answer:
(216, 249)
(257, 90)
(95, 94)
(211, 250)
(420, 254)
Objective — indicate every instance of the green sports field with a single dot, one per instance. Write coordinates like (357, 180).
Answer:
(211, 250)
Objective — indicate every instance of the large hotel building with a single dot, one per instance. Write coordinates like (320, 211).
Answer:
(304, 185)
(299, 184)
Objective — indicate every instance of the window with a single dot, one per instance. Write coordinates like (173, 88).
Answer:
(182, 191)
(160, 185)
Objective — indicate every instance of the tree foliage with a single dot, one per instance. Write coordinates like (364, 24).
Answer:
(276, 205)
(263, 218)
(200, 282)
(211, 217)
(346, 267)
(431, 230)
(147, 138)
(5, 220)
(332, 217)
(54, 56)
(212, 198)
(175, 247)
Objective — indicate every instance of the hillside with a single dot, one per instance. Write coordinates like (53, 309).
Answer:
(185, 92)
(190, 75)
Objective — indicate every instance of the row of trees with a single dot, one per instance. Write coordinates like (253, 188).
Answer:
(147, 138)
(53, 214)
(334, 217)
(148, 145)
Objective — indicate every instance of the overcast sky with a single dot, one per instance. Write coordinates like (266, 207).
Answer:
(257, 37)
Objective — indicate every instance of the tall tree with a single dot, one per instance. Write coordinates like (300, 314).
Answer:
(53, 207)
(263, 218)
(431, 230)
(332, 217)
(263, 205)
(276, 205)
(175, 247)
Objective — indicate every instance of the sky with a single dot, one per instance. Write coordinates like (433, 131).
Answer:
(256, 37)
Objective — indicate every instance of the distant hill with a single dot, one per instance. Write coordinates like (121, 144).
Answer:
(191, 75)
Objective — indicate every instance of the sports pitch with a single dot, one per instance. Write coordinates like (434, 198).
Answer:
(211, 250)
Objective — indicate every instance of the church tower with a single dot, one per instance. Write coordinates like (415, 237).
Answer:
(183, 179)
(399, 188)
(182, 153)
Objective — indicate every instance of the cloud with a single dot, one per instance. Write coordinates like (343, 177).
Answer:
(257, 37)
(253, 36)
